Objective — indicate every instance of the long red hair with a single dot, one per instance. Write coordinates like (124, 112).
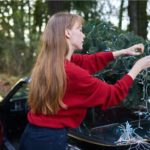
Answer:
(48, 77)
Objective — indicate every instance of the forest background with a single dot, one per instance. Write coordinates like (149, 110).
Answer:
(22, 23)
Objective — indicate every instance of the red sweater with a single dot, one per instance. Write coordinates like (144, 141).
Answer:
(84, 90)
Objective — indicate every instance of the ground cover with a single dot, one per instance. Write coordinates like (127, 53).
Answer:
(6, 83)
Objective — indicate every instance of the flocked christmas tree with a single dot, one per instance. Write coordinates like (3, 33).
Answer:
(104, 36)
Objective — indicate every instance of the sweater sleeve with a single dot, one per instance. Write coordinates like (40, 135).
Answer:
(88, 91)
(94, 62)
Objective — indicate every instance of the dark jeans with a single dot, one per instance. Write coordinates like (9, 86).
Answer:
(40, 138)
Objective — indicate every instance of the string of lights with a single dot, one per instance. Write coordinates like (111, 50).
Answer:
(143, 78)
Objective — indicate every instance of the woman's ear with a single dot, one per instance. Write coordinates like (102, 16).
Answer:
(67, 33)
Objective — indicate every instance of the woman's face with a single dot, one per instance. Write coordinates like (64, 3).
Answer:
(76, 37)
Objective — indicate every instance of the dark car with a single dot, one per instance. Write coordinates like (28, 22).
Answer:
(99, 129)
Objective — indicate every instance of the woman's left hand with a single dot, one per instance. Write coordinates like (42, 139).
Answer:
(135, 50)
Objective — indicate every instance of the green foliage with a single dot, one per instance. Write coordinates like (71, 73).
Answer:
(40, 13)
(16, 45)
(88, 8)
(21, 27)
(104, 36)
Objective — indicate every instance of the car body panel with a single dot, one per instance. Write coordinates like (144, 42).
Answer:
(99, 127)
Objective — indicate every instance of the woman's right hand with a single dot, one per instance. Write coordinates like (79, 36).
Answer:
(141, 64)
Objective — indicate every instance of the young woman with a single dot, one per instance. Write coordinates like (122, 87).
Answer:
(62, 88)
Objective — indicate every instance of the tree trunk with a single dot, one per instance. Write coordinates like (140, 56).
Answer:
(138, 17)
(132, 11)
(22, 22)
(142, 19)
(121, 13)
(58, 6)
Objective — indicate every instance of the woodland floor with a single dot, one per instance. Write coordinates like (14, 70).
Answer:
(6, 83)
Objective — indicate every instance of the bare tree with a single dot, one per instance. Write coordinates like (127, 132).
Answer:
(121, 13)
(57, 6)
